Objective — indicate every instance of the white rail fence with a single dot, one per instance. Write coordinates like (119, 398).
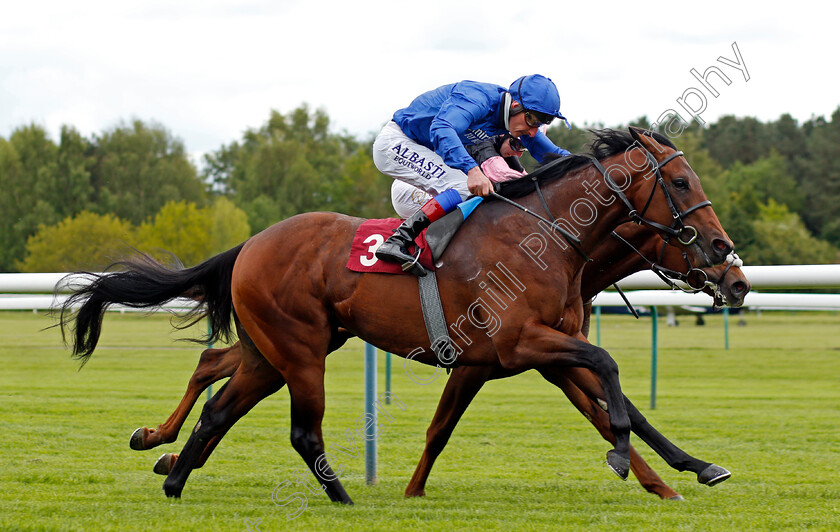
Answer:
(41, 291)
(34, 291)
(646, 289)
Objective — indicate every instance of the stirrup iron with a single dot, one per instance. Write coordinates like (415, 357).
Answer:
(414, 265)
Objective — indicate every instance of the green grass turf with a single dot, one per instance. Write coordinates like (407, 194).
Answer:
(522, 458)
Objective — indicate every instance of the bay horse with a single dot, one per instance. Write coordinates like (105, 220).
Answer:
(292, 296)
(632, 249)
(612, 261)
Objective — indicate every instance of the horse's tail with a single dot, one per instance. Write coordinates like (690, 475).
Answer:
(146, 283)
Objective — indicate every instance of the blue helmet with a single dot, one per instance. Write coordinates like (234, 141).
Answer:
(537, 93)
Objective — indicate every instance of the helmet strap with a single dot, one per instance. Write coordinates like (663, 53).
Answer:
(506, 113)
(508, 109)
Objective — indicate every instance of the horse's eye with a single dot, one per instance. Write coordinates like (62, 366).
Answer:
(680, 183)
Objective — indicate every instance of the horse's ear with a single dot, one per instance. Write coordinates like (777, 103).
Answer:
(645, 138)
(638, 132)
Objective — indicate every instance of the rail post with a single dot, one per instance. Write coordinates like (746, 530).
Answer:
(370, 414)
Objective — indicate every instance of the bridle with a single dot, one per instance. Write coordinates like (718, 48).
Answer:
(677, 228)
(695, 279)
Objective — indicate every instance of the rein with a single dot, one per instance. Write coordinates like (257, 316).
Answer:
(570, 238)
(675, 230)
(667, 275)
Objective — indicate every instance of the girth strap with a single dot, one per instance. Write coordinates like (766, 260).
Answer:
(435, 321)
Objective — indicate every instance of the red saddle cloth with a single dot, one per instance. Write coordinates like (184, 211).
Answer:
(372, 234)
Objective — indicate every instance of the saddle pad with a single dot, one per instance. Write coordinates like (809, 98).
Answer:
(441, 232)
(372, 234)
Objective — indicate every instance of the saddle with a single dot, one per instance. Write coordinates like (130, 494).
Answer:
(432, 242)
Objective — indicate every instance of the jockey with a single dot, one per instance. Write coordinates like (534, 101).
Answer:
(498, 158)
(425, 145)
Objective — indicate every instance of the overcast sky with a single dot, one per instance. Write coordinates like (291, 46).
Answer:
(208, 70)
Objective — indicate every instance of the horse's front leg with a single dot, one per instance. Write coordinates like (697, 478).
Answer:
(707, 473)
(539, 346)
(213, 365)
(587, 406)
(463, 385)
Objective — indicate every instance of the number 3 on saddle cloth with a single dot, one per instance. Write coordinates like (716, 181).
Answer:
(432, 241)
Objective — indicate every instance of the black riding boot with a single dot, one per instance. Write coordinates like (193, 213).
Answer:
(395, 249)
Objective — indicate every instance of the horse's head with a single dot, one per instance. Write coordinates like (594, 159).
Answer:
(670, 200)
(726, 283)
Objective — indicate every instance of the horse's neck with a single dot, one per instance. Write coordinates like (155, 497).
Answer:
(614, 260)
(584, 204)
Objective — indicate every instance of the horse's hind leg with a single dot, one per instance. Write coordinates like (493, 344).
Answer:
(253, 380)
(646, 476)
(306, 388)
(213, 365)
(295, 336)
(164, 464)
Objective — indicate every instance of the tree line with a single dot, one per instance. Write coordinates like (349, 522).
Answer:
(81, 203)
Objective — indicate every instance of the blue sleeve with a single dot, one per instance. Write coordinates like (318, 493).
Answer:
(455, 117)
(540, 145)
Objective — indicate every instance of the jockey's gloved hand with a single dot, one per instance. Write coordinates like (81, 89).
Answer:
(478, 183)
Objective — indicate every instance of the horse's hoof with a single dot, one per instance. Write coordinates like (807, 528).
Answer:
(136, 441)
(415, 493)
(619, 464)
(714, 474)
(172, 491)
(164, 464)
(676, 498)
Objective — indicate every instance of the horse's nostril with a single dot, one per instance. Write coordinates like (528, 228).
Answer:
(739, 287)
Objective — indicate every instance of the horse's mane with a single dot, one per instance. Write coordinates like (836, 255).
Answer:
(606, 143)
